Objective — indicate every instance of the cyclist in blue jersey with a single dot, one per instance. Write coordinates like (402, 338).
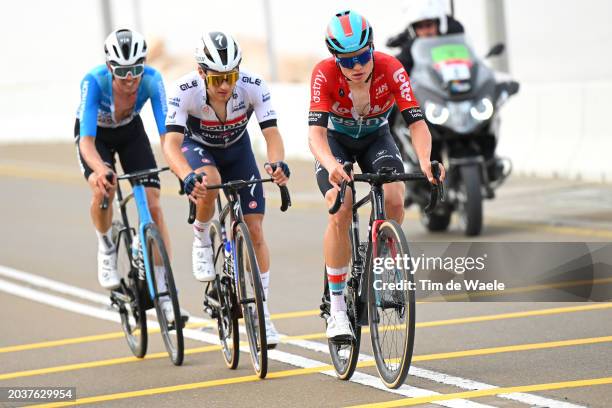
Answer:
(108, 122)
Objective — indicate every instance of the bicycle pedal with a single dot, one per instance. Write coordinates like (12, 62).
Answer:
(271, 346)
(342, 340)
(211, 312)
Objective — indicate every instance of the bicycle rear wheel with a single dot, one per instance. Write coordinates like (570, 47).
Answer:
(344, 355)
(391, 311)
(129, 299)
(227, 321)
(172, 332)
(251, 300)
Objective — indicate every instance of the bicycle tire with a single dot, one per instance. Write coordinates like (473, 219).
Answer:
(392, 369)
(133, 317)
(345, 356)
(176, 351)
(227, 321)
(251, 299)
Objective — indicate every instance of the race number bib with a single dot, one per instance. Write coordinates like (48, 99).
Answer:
(453, 62)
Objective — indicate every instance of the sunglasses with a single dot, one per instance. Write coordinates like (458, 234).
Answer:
(217, 79)
(122, 72)
(350, 62)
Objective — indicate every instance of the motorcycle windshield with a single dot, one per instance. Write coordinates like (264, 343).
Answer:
(447, 61)
(452, 84)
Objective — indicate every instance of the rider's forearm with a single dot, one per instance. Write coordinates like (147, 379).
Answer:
(87, 146)
(317, 140)
(421, 141)
(174, 155)
(274, 144)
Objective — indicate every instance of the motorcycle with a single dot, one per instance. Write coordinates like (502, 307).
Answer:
(461, 98)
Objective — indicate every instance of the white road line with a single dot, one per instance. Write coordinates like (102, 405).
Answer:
(305, 344)
(277, 355)
(54, 285)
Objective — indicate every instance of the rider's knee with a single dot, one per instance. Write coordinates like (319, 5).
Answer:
(342, 219)
(210, 196)
(156, 211)
(394, 202)
(256, 232)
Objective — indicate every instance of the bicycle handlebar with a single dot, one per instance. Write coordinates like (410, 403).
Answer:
(236, 185)
(382, 177)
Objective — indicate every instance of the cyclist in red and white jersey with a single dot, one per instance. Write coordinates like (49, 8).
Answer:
(352, 95)
(208, 112)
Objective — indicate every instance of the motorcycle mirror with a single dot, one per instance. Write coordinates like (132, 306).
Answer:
(497, 49)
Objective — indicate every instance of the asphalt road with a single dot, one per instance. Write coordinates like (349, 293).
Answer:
(59, 331)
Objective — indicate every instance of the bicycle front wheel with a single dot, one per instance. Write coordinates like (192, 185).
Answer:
(391, 306)
(227, 320)
(131, 304)
(171, 326)
(251, 300)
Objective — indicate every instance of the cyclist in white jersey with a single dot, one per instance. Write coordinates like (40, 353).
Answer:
(208, 111)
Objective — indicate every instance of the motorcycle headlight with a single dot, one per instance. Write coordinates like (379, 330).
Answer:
(483, 110)
(436, 114)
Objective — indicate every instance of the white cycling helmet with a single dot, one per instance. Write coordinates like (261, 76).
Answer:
(421, 10)
(125, 47)
(218, 51)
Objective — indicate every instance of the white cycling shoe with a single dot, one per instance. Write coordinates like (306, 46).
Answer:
(272, 336)
(203, 266)
(166, 307)
(108, 277)
(338, 327)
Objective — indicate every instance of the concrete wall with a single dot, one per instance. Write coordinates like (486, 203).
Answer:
(559, 51)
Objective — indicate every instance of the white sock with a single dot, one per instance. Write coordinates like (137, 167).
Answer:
(336, 289)
(201, 233)
(265, 283)
(160, 278)
(105, 241)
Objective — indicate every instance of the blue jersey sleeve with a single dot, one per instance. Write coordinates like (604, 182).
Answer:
(157, 94)
(88, 111)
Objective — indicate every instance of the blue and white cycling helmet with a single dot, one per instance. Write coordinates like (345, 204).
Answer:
(347, 32)
(125, 47)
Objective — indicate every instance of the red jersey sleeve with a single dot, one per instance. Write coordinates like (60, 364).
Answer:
(320, 103)
(402, 91)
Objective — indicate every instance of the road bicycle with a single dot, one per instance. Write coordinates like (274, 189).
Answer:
(237, 292)
(139, 289)
(372, 296)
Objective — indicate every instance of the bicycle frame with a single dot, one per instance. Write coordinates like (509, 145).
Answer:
(377, 215)
(233, 209)
(144, 219)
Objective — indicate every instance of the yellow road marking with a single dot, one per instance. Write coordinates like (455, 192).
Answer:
(190, 386)
(62, 342)
(524, 289)
(315, 312)
(295, 372)
(118, 335)
(99, 363)
(489, 392)
(86, 339)
(371, 363)
(53, 175)
(477, 319)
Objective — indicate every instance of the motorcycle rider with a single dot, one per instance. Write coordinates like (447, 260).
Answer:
(429, 19)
